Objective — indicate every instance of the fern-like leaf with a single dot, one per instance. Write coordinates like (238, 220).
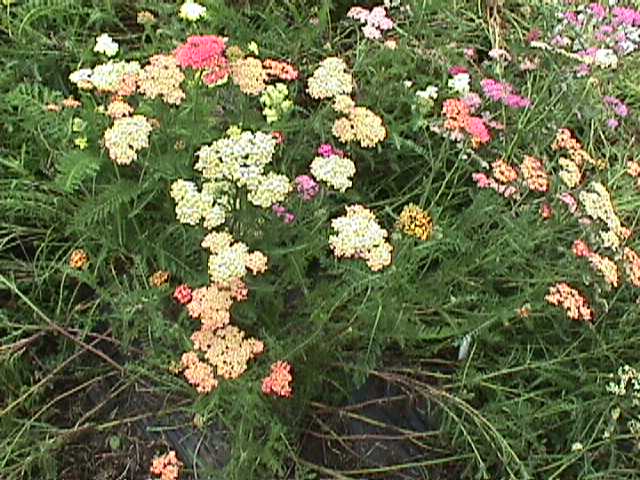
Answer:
(106, 203)
(74, 168)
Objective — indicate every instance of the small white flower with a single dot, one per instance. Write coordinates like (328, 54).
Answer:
(192, 11)
(577, 447)
(460, 83)
(82, 75)
(429, 93)
(606, 58)
(106, 45)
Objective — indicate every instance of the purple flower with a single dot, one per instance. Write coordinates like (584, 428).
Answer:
(617, 105)
(597, 10)
(612, 123)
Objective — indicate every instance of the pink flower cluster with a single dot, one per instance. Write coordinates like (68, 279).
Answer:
(376, 21)
(204, 52)
(281, 212)
(503, 92)
(484, 181)
(278, 383)
(326, 150)
(307, 187)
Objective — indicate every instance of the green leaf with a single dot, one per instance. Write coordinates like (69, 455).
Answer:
(74, 168)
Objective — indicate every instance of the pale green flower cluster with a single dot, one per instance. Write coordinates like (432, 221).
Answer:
(360, 236)
(193, 206)
(627, 386)
(106, 77)
(334, 170)
(269, 189)
(241, 158)
(330, 79)
(275, 102)
(126, 137)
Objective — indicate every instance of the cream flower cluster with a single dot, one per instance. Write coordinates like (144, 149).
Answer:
(361, 125)
(358, 235)
(106, 77)
(192, 11)
(241, 158)
(230, 260)
(162, 78)
(334, 170)
(192, 206)
(597, 204)
(126, 137)
(330, 79)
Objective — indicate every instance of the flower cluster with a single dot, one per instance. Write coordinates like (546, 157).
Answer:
(111, 77)
(632, 266)
(306, 187)
(607, 267)
(192, 11)
(162, 78)
(281, 212)
(335, 170)
(229, 260)
(577, 155)
(275, 101)
(280, 70)
(626, 388)
(78, 260)
(415, 222)
(167, 466)
(618, 108)
(159, 278)
(458, 121)
(106, 45)
(597, 34)
(330, 79)
(278, 383)
(269, 189)
(118, 108)
(597, 204)
(535, 176)
(503, 92)
(192, 206)
(249, 75)
(361, 125)
(126, 137)
(375, 21)
(573, 303)
(358, 235)
(207, 53)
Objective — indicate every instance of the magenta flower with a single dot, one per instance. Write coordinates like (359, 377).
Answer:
(599, 11)
(626, 16)
(325, 150)
(503, 92)
(613, 123)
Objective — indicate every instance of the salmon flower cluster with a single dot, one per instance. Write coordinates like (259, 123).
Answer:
(78, 260)
(167, 466)
(278, 383)
(358, 235)
(604, 265)
(459, 123)
(574, 304)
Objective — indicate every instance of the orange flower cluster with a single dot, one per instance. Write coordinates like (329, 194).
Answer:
(225, 348)
(459, 121)
(278, 383)
(78, 259)
(415, 222)
(167, 466)
(159, 278)
(573, 303)
(68, 102)
(632, 266)
(280, 70)
(633, 169)
(534, 174)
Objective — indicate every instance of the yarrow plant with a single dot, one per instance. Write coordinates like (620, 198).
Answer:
(375, 21)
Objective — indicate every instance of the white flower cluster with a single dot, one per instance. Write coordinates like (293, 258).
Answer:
(106, 77)
(230, 260)
(193, 206)
(360, 236)
(106, 45)
(334, 170)
(192, 11)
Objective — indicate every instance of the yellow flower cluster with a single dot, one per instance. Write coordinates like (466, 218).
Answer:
(570, 172)
(360, 236)
(162, 78)
(415, 222)
(126, 137)
(159, 278)
(330, 79)
(597, 204)
(229, 260)
(361, 125)
(343, 104)
(335, 170)
(249, 74)
(192, 206)
(564, 141)
(269, 189)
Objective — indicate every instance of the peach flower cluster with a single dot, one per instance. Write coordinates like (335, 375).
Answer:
(249, 74)
(632, 266)
(360, 125)
(167, 466)
(78, 259)
(578, 158)
(535, 176)
(502, 179)
(162, 78)
(278, 383)
(159, 278)
(607, 267)
(573, 303)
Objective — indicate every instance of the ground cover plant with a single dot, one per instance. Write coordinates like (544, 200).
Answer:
(332, 239)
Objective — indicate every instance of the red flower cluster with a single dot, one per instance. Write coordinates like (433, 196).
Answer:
(204, 52)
